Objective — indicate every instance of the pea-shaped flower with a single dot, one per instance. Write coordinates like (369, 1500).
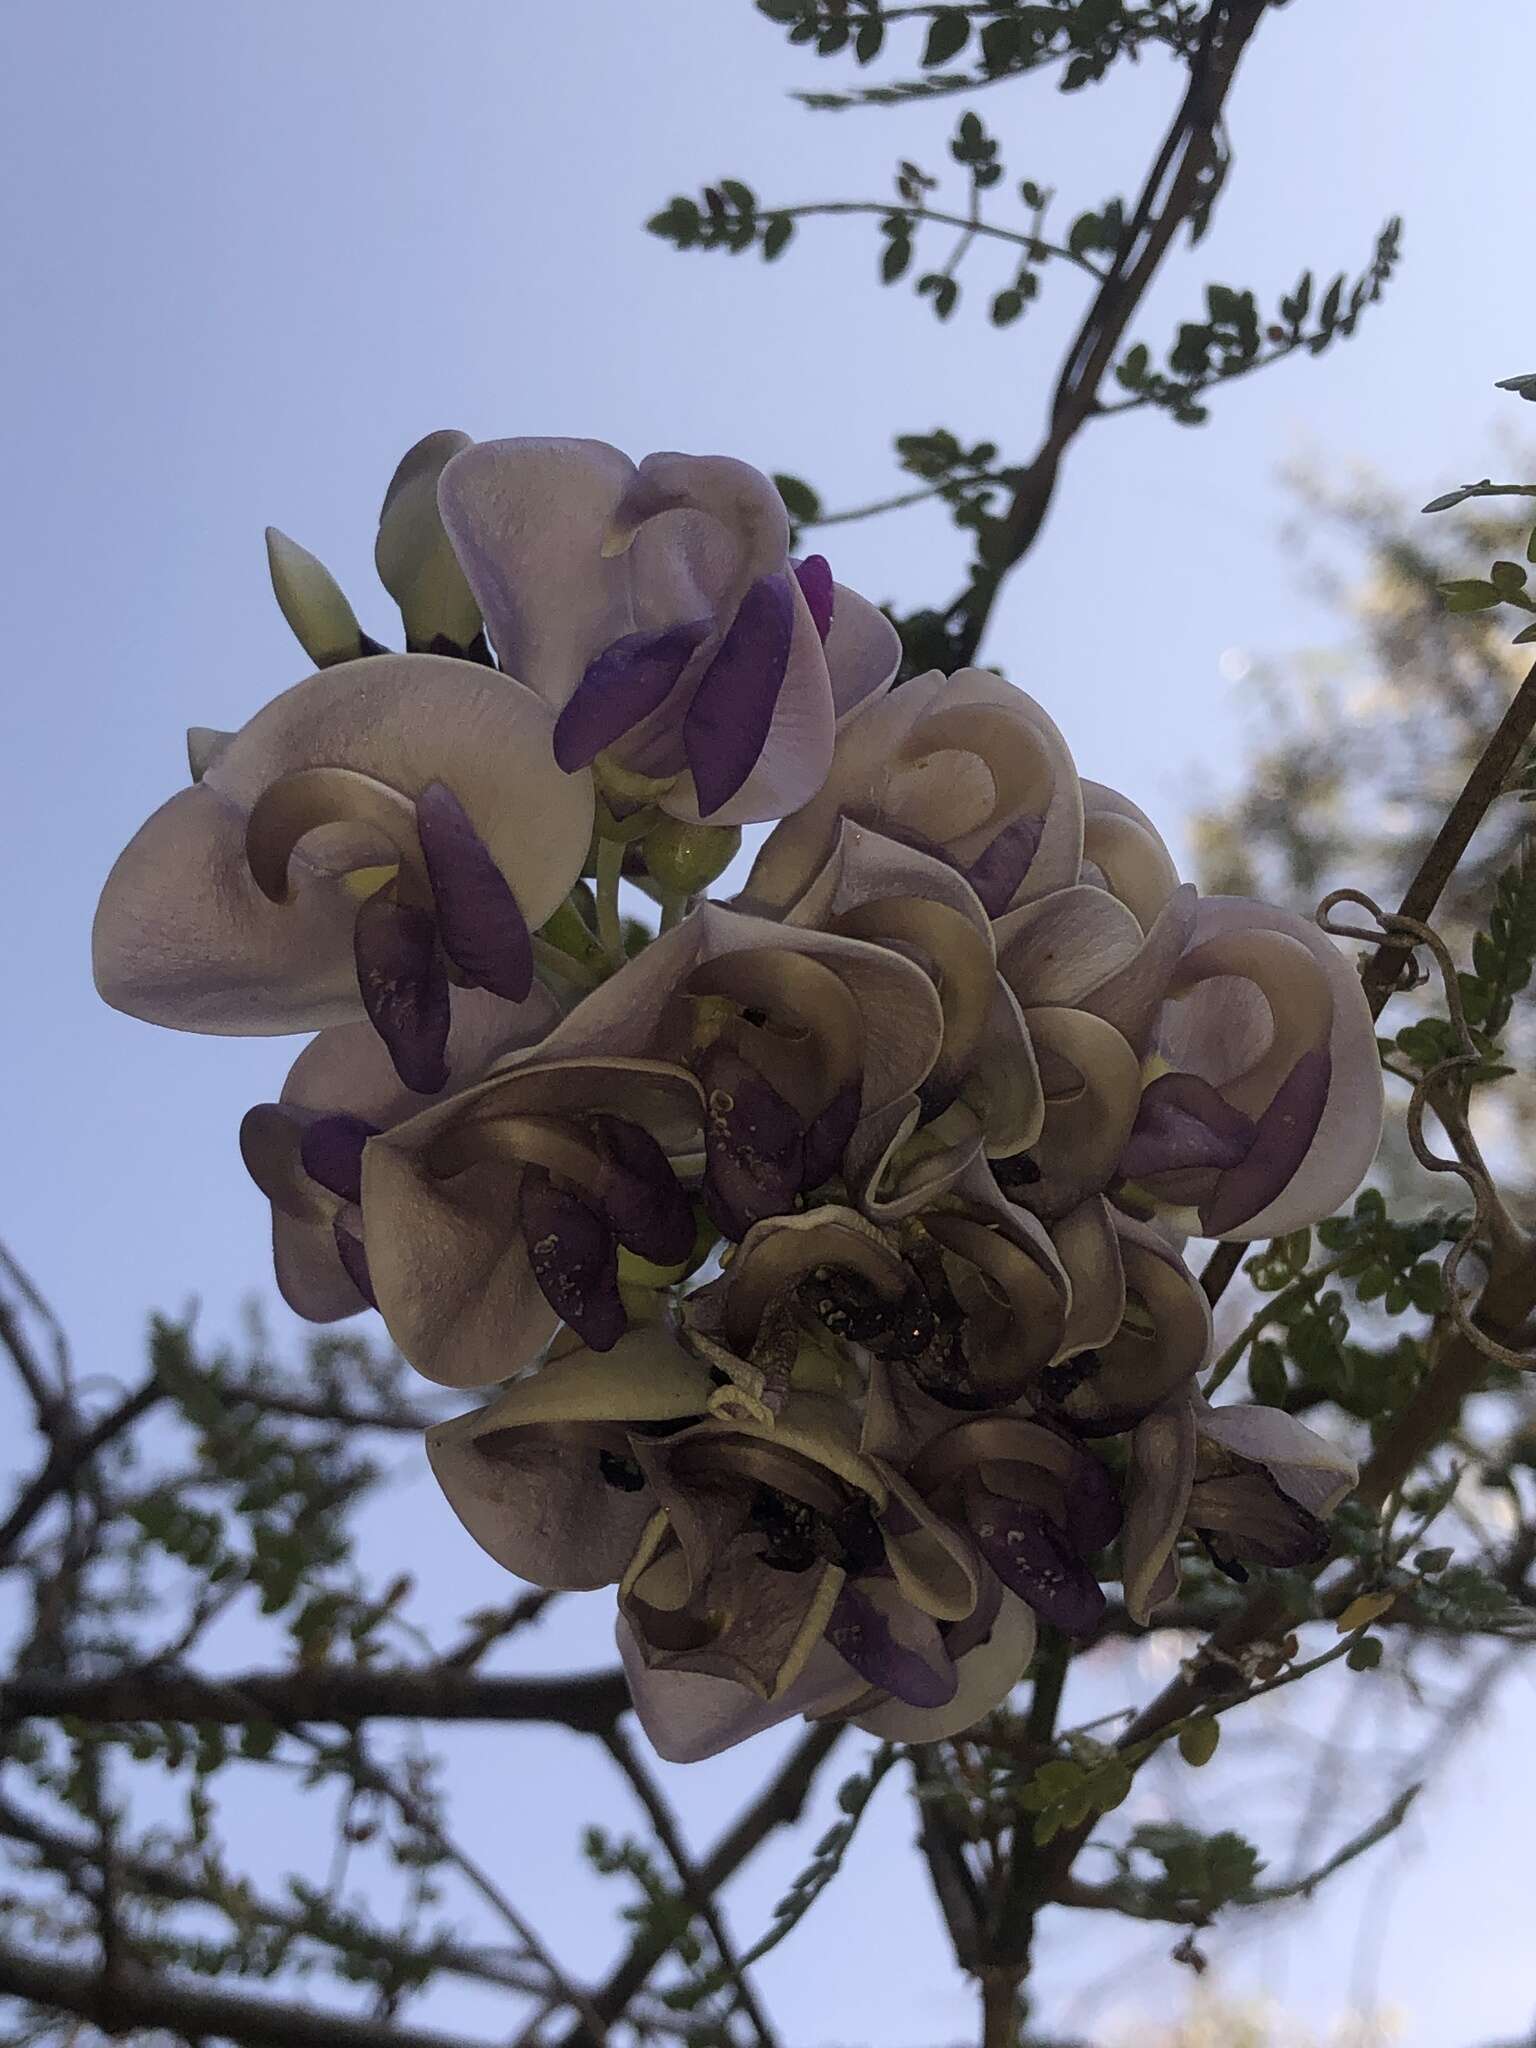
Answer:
(381, 831)
(657, 610)
(965, 767)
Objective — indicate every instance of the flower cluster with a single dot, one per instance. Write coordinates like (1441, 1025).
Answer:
(825, 1244)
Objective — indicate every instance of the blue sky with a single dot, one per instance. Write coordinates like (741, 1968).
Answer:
(255, 250)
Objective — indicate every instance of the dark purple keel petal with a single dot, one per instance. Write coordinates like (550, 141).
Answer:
(863, 1637)
(623, 685)
(1035, 1559)
(827, 1135)
(753, 1144)
(1094, 1513)
(726, 726)
(997, 872)
(484, 933)
(1281, 1142)
(575, 1259)
(331, 1152)
(1183, 1122)
(650, 1214)
(404, 987)
(349, 1249)
(814, 576)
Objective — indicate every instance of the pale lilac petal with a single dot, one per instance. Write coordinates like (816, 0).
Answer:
(1059, 948)
(1129, 998)
(1310, 1470)
(1124, 846)
(528, 520)
(863, 652)
(345, 1078)
(184, 937)
(449, 1262)
(528, 1483)
(736, 497)
(688, 1716)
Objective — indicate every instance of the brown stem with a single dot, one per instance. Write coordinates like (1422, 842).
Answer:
(193, 2011)
(1172, 192)
(1000, 2008)
(590, 1702)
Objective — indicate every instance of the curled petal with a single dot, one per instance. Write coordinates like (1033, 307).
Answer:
(527, 1475)
(449, 1261)
(1162, 1470)
(184, 935)
(1348, 1130)
(944, 764)
(305, 1152)
(1092, 1084)
(1161, 1343)
(1313, 1472)
(1124, 848)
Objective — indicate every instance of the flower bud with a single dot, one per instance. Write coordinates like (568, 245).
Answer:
(313, 603)
(415, 558)
(685, 858)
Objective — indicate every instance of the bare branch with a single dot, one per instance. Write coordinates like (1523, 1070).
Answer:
(137, 1998)
(589, 1701)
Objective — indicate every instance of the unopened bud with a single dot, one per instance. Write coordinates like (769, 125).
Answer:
(313, 603)
(415, 558)
(685, 858)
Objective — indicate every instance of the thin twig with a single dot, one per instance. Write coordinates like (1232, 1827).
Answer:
(648, 1792)
(780, 1804)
